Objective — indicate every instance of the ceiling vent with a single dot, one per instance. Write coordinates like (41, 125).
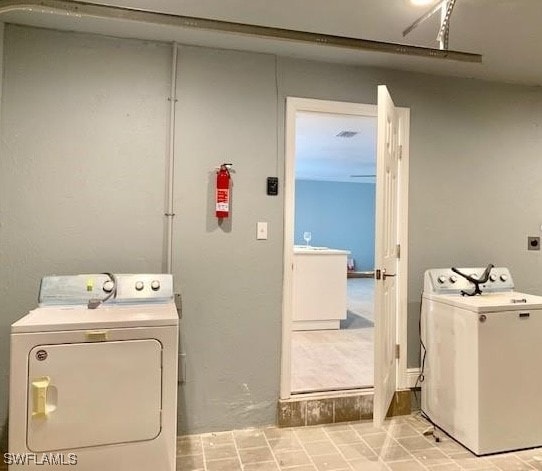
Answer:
(347, 134)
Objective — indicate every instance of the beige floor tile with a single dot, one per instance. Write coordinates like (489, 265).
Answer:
(219, 438)
(255, 455)
(509, 463)
(324, 447)
(449, 447)
(220, 452)
(415, 443)
(379, 440)
(345, 437)
(276, 432)
(251, 438)
(287, 459)
(330, 462)
(393, 453)
(189, 445)
(535, 464)
(231, 464)
(445, 467)
(403, 429)
(409, 465)
(431, 457)
(343, 427)
(469, 461)
(352, 446)
(355, 451)
(364, 465)
(190, 463)
(267, 466)
(365, 428)
(290, 443)
(310, 434)
(309, 467)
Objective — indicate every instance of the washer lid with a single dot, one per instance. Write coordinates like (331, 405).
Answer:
(55, 318)
(490, 302)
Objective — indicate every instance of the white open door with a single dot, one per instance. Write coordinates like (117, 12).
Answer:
(386, 252)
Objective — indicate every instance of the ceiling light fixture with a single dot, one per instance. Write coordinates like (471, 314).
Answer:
(446, 8)
(421, 3)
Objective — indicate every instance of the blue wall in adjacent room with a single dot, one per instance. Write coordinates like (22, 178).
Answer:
(339, 215)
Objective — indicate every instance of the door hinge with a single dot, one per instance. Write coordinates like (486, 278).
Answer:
(400, 151)
(398, 249)
(397, 351)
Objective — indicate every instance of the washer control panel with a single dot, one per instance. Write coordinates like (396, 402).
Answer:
(445, 281)
(122, 288)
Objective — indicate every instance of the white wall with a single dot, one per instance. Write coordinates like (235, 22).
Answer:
(83, 129)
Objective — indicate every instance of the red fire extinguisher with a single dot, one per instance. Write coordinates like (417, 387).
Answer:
(223, 191)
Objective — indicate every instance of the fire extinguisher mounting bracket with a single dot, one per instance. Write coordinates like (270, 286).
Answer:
(224, 166)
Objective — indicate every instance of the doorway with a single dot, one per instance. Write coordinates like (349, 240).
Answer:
(391, 334)
(334, 224)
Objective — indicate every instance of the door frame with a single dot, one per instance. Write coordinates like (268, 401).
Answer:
(294, 105)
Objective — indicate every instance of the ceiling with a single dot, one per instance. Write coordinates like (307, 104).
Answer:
(506, 32)
(322, 155)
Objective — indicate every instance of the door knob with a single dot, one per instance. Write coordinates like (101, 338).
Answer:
(381, 274)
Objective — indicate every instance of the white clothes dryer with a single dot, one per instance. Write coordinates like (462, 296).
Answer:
(482, 381)
(93, 376)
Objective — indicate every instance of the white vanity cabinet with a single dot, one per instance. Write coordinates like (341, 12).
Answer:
(319, 296)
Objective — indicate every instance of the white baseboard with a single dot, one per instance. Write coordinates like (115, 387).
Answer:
(412, 377)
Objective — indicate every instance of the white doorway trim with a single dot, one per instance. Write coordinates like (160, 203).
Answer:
(294, 105)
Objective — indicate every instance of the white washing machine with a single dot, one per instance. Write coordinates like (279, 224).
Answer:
(482, 384)
(94, 376)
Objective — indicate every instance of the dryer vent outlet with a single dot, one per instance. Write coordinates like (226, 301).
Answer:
(533, 243)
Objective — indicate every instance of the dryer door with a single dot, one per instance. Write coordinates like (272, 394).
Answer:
(90, 394)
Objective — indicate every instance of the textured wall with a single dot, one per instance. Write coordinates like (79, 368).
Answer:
(82, 158)
(231, 283)
(84, 128)
(340, 215)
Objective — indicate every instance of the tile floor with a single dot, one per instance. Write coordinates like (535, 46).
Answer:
(399, 446)
(324, 360)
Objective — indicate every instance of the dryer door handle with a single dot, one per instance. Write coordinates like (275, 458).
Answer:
(39, 397)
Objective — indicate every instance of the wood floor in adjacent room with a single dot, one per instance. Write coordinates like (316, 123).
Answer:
(325, 360)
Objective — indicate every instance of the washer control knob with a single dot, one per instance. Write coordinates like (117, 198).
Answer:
(493, 277)
(453, 279)
(155, 285)
(139, 285)
(504, 277)
(108, 286)
(441, 279)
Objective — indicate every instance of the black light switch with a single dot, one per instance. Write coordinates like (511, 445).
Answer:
(272, 186)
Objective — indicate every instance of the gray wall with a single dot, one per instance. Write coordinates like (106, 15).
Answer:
(83, 143)
(83, 131)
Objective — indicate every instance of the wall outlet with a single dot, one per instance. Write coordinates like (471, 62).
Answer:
(533, 243)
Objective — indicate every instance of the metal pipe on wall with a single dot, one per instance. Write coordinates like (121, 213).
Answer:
(171, 160)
